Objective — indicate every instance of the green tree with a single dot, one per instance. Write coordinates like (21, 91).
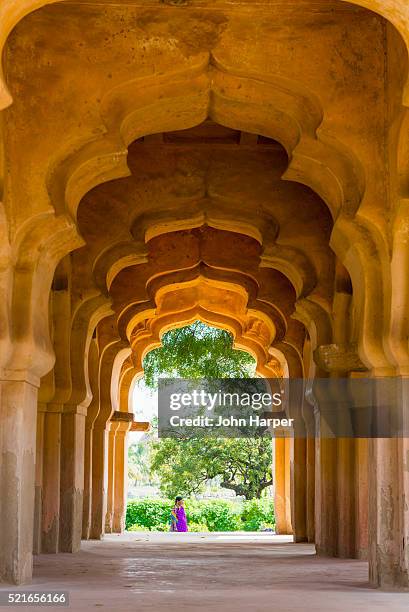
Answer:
(138, 462)
(184, 466)
(197, 351)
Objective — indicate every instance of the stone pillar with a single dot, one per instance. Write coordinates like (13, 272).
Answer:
(92, 413)
(385, 542)
(298, 451)
(388, 495)
(310, 492)
(112, 357)
(326, 517)
(121, 472)
(309, 420)
(18, 416)
(287, 467)
(335, 459)
(50, 522)
(346, 546)
(112, 428)
(99, 481)
(86, 512)
(297, 447)
(361, 498)
(72, 478)
(282, 486)
(38, 495)
(403, 456)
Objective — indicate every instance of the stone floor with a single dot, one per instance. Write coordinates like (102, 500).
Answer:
(226, 572)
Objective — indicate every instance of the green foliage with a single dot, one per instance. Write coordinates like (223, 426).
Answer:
(198, 527)
(160, 527)
(202, 515)
(197, 351)
(148, 513)
(138, 463)
(137, 528)
(184, 466)
(218, 515)
(258, 514)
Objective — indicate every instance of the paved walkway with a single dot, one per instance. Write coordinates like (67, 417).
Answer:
(224, 572)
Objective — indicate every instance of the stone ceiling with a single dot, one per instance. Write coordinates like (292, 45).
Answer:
(198, 118)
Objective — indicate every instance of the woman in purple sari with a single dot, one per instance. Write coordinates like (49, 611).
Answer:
(178, 516)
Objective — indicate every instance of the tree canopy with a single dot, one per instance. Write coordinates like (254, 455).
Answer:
(242, 465)
(184, 466)
(197, 351)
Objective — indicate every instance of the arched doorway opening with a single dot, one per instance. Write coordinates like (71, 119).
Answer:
(214, 473)
(100, 290)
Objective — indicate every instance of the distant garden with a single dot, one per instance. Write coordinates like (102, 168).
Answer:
(203, 515)
(236, 473)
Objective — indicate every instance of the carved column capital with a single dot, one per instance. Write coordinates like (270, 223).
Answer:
(339, 358)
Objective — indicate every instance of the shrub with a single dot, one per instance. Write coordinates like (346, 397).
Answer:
(220, 515)
(137, 528)
(257, 513)
(160, 527)
(203, 515)
(148, 513)
(198, 527)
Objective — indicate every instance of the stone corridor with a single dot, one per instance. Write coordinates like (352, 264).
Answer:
(229, 572)
(244, 163)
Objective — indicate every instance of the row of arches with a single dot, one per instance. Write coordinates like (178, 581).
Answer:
(289, 229)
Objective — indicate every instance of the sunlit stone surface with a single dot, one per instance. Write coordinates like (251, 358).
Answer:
(244, 163)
